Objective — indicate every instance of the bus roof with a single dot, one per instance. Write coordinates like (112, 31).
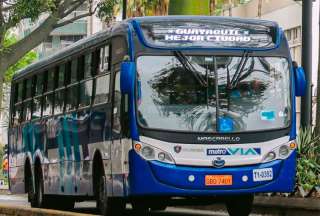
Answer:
(103, 35)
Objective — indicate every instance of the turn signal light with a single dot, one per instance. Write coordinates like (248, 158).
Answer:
(137, 147)
(293, 145)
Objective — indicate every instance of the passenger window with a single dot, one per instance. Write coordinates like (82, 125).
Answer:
(117, 104)
(36, 113)
(61, 76)
(59, 101)
(95, 62)
(20, 91)
(85, 93)
(28, 84)
(72, 98)
(47, 105)
(88, 66)
(81, 64)
(104, 59)
(17, 114)
(39, 84)
(68, 73)
(74, 71)
(119, 49)
(26, 111)
(50, 80)
(102, 89)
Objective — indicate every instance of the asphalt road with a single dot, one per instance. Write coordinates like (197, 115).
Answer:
(89, 208)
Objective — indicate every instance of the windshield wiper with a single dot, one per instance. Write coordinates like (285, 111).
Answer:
(237, 75)
(189, 67)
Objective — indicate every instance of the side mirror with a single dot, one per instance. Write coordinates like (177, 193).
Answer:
(300, 81)
(127, 87)
(127, 77)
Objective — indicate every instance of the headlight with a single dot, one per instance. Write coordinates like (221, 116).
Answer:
(284, 151)
(281, 152)
(149, 152)
(270, 156)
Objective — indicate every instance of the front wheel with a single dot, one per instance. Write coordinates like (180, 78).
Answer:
(108, 206)
(240, 205)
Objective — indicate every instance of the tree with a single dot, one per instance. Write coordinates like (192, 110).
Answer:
(57, 14)
(12, 12)
(189, 7)
(137, 8)
(23, 62)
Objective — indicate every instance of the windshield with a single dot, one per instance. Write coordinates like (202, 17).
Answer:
(213, 93)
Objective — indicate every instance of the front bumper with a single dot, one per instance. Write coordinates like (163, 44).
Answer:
(156, 178)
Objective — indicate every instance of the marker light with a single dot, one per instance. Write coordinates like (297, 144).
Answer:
(284, 151)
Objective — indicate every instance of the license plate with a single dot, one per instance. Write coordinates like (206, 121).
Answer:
(262, 174)
(212, 180)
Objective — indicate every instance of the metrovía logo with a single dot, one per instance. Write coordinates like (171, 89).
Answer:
(234, 151)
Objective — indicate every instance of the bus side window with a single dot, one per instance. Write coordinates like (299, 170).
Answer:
(50, 79)
(47, 105)
(88, 65)
(15, 111)
(117, 104)
(72, 89)
(102, 89)
(104, 64)
(37, 96)
(27, 103)
(95, 61)
(59, 99)
(119, 49)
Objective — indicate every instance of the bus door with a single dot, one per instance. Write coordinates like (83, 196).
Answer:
(119, 147)
(100, 120)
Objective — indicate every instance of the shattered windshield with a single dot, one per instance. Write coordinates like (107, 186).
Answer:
(213, 93)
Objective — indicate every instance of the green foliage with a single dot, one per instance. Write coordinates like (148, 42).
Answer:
(30, 9)
(106, 9)
(22, 63)
(308, 164)
(189, 7)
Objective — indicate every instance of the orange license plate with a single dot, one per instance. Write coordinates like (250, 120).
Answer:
(212, 180)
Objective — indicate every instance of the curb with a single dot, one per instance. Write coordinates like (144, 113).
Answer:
(24, 211)
(284, 206)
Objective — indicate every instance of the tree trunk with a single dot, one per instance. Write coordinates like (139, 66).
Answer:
(259, 8)
(1, 96)
(189, 7)
(22, 47)
(212, 7)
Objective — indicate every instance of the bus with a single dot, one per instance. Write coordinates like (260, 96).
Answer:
(156, 109)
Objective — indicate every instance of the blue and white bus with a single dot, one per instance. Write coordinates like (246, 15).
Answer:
(156, 108)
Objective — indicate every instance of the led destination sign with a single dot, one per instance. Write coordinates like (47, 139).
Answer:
(208, 34)
(224, 35)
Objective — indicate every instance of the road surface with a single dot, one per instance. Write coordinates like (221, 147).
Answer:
(89, 207)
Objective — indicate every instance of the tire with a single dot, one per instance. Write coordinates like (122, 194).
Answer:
(106, 205)
(36, 196)
(240, 205)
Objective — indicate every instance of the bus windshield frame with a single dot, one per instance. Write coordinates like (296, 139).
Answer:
(223, 122)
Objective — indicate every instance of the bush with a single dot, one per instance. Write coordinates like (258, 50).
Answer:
(308, 161)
